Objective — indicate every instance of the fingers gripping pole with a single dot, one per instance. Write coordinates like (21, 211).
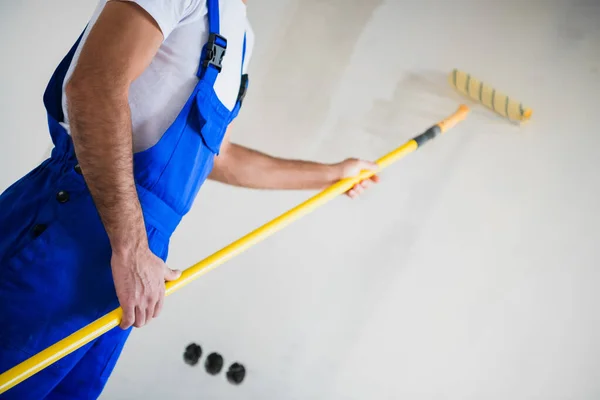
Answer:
(33, 365)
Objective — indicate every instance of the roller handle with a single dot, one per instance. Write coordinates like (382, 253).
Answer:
(442, 126)
(454, 119)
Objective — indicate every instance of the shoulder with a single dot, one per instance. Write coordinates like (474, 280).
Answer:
(168, 14)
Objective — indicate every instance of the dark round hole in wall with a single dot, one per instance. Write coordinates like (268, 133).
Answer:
(213, 363)
(236, 373)
(192, 354)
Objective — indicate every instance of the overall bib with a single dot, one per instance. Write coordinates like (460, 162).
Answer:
(55, 273)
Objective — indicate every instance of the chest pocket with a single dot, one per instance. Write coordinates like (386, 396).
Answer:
(210, 119)
(211, 129)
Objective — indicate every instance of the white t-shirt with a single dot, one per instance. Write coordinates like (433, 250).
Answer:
(159, 94)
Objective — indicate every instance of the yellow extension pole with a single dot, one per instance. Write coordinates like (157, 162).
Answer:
(36, 363)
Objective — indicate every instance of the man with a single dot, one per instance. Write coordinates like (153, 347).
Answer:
(138, 113)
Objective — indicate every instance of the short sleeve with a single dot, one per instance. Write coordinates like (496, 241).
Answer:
(167, 13)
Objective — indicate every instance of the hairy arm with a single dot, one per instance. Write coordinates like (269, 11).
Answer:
(241, 166)
(120, 46)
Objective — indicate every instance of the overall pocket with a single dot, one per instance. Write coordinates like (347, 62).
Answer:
(38, 296)
(57, 281)
(211, 129)
(33, 245)
(20, 205)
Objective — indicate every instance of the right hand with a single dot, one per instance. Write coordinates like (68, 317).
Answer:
(352, 167)
(139, 277)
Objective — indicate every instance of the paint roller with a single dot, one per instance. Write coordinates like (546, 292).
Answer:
(488, 96)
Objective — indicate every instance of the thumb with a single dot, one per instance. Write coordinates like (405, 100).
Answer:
(172, 274)
(367, 165)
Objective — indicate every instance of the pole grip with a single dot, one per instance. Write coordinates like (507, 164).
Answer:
(442, 126)
(79, 338)
(454, 119)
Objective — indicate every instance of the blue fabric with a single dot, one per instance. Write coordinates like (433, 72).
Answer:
(243, 53)
(55, 281)
(213, 16)
(210, 74)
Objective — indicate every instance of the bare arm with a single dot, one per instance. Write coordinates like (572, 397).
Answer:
(240, 166)
(118, 49)
(120, 46)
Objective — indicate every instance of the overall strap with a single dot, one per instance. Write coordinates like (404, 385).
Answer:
(243, 53)
(244, 80)
(214, 49)
(53, 92)
(214, 20)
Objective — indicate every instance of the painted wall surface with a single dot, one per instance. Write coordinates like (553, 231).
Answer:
(469, 272)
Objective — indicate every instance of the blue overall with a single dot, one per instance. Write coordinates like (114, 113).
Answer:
(55, 274)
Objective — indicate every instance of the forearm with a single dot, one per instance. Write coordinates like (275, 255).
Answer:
(241, 166)
(118, 49)
(101, 130)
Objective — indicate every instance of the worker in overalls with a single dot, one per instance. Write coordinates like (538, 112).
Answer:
(138, 112)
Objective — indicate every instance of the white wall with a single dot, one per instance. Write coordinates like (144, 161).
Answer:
(470, 272)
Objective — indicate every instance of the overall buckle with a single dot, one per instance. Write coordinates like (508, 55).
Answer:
(215, 51)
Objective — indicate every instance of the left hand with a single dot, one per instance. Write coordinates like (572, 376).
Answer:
(352, 167)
